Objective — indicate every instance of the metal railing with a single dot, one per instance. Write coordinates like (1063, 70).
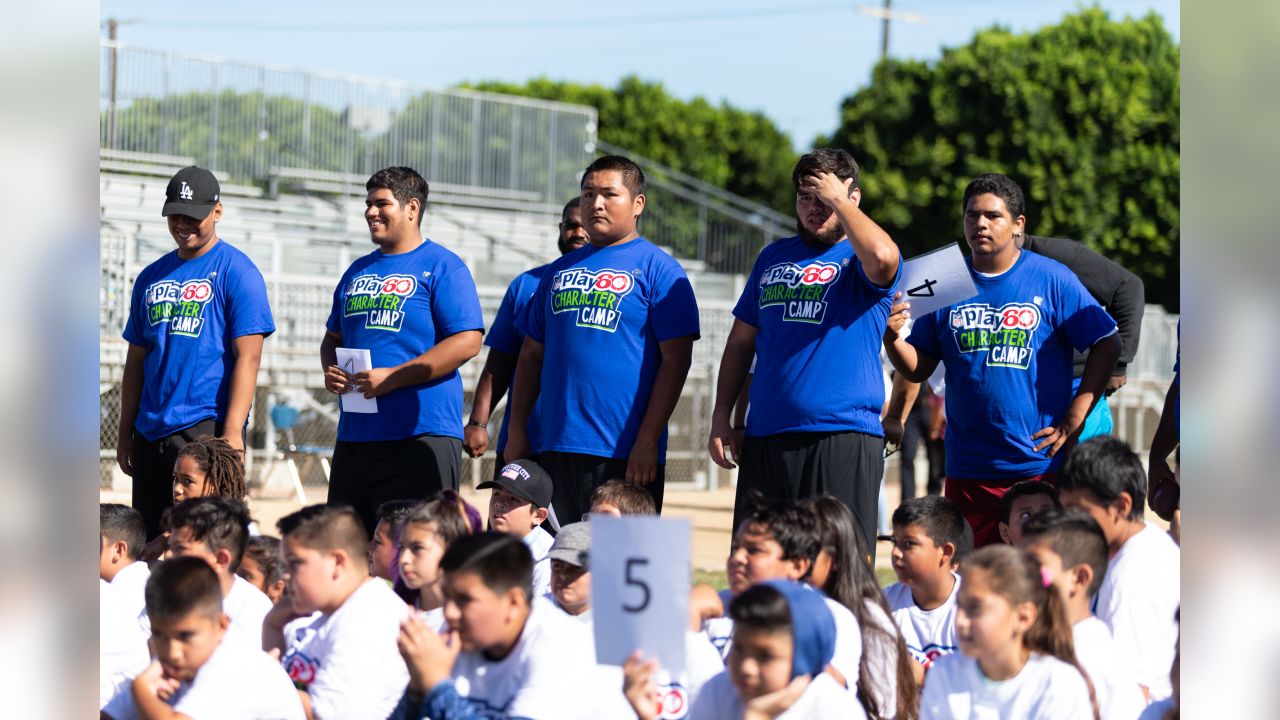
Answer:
(243, 120)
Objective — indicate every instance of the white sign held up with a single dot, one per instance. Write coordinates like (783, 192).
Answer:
(935, 280)
(354, 360)
(640, 588)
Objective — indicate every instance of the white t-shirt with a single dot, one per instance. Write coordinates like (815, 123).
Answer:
(929, 634)
(539, 542)
(1138, 600)
(238, 682)
(247, 606)
(434, 619)
(348, 660)
(1045, 689)
(122, 637)
(541, 676)
(1118, 693)
(824, 699)
(848, 654)
(882, 659)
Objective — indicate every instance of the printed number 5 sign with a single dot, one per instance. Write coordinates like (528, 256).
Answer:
(640, 588)
(935, 280)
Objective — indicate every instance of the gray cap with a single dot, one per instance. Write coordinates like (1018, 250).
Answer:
(572, 545)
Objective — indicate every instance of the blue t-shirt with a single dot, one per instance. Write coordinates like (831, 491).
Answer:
(506, 336)
(187, 313)
(820, 322)
(1008, 358)
(600, 314)
(399, 307)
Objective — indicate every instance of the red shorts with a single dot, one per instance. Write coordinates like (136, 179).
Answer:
(979, 500)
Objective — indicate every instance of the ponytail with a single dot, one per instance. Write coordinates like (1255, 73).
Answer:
(1017, 577)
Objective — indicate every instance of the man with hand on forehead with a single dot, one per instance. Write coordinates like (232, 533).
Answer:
(812, 313)
(196, 325)
(1011, 412)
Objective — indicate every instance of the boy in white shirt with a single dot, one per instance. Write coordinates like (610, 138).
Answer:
(200, 671)
(928, 532)
(123, 628)
(1072, 550)
(335, 627)
(519, 504)
(503, 656)
(216, 530)
(1140, 594)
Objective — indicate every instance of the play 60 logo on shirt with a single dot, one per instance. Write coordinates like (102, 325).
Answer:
(380, 299)
(1005, 333)
(595, 295)
(801, 291)
(181, 305)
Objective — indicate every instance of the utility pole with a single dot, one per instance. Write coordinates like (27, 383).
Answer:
(884, 30)
(113, 25)
(887, 15)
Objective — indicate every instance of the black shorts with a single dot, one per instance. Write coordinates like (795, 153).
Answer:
(366, 474)
(152, 462)
(575, 476)
(797, 466)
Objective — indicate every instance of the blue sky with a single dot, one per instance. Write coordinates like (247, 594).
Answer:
(795, 60)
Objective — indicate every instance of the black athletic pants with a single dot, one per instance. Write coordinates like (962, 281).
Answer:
(152, 462)
(797, 466)
(366, 474)
(575, 476)
(915, 433)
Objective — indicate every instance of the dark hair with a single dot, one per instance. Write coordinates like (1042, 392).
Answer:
(791, 526)
(1015, 576)
(940, 519)
(1002, 186)
(393, 513)
(573, 204)
(1072, 535)
(1026, 488)
(966, 544)
(853, 584)
(632, 175)
(836, 161)
(222, 523)
(761, 607)
(1104, 466)
(181, 586)
(404, 183)
(265, 550)
(222, 465)
(444, 514)
(326, 528)
(501, 561)
(122, 523)
(629, 498)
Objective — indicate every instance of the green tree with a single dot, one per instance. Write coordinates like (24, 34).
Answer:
(1083, 114)
(740, 151)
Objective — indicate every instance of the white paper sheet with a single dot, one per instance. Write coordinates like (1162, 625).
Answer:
(935, 280)
(355, 360)
(640, 588)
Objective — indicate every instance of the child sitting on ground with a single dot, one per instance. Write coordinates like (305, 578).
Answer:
(199, 671)
(263, 566)
(216, 530)
(1017, 659)
(425, 534)
(927, 533)
(501, 651)
(123, 628)
(205, 467)
(518, 506)
(1024, 499)
(1140, 593)
(784, 639)
(619, 497)
(335, 627)
(1072, 550)
(384, 551)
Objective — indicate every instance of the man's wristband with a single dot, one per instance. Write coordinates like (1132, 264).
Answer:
(473, 423)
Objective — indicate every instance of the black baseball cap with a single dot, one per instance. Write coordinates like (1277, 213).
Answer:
(192, 192)
(525, 479)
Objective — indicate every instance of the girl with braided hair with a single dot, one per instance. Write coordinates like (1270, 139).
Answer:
(208, 467)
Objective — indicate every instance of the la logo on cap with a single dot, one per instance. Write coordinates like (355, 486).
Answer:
(185, 193)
